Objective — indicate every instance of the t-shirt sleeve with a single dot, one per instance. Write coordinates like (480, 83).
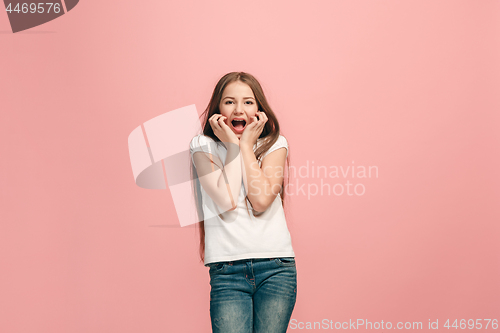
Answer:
(280, 143)
(202, 143)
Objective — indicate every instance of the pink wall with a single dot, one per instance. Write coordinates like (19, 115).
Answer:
(408, 86)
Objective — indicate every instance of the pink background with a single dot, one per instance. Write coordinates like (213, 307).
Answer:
(409, 86)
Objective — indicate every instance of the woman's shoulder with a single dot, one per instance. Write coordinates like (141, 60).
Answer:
(281, 140)
(201, 139)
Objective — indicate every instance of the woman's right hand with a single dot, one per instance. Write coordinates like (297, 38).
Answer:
(222, 130)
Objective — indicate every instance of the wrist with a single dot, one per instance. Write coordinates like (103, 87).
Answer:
(246, 146)
(232, 145)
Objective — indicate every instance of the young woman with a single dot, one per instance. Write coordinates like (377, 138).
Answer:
(238, 165)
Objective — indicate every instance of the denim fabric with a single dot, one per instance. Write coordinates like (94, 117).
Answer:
(252, 295)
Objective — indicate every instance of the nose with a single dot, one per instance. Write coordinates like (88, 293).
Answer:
(238, 109)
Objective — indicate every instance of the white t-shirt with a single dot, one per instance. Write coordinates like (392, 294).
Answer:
(238, 234)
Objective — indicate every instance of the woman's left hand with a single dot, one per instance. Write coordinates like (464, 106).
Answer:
(253, 130)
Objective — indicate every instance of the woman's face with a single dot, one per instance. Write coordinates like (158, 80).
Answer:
(238, 103)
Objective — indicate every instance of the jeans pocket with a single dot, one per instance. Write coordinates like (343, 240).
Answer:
(217, 267)
(285, 261)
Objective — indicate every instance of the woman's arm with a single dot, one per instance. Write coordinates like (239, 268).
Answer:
(263, 183)
(221, 182)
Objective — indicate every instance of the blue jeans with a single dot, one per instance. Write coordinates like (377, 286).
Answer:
(252, 295)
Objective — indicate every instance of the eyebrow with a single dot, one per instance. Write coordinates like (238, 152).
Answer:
(233, 97)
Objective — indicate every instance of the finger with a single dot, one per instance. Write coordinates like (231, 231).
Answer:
(212, 118)
(261, 124)
(262, 118)
(264, 115)
(215, 117)
(258, 115)
(222, 121)
(262, 121)
(214, 122)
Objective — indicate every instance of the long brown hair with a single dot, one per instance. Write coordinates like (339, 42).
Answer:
(270, 135)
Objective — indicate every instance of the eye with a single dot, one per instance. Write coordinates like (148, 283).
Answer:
(227, 102)
(250, 102)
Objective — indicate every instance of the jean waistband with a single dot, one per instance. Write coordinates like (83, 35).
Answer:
(242, 261)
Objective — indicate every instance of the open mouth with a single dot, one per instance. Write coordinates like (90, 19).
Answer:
(238, 124)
